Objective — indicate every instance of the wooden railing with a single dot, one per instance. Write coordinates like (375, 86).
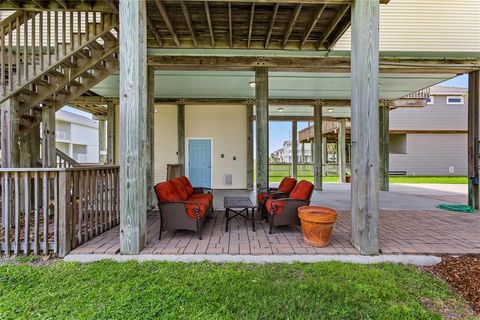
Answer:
(421, 94)
(304, 170)
(65, 161)
(47, 211)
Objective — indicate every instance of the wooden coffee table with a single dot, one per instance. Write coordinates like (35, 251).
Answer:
(239, 206)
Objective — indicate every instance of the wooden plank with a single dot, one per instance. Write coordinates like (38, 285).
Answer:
(330, 2)
(364, 132)
(250, 166)
(384, 141)
(45, 210)
(261, 95)
(317, 147)
(188, 21)
(210, 25)
(16, 200)
(36, 211)
(294, 149)
(291, 24)
(10, 133)
(272, 23)
(150, 152)
(133, 104)
(6, 211)
(166, 19)
(250, 25)
(64, 214)
(341, 151)
(102, 141)
(313, 23)
(230, 24)
(54, 181)
(111, 114)
(154, 31)
(26, 207)
(181, 137)
(341, 13)
(473, 137)
(49, 158)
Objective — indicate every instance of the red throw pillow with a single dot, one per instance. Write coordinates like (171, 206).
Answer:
(275, 207)
(188, 186)
(287, 185)
(302, 190)
(177, 186)
(165, 194)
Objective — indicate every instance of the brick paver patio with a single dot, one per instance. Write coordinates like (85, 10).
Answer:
(432, 232)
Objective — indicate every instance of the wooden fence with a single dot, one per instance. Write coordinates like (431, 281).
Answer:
(303, 169)
(47, 211)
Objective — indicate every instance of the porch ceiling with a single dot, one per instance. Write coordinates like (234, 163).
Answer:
(283, 85)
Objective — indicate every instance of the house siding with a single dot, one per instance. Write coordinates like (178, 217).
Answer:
(166, 140)
(432, 154)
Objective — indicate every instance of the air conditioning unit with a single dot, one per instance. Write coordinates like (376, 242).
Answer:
(228, 179)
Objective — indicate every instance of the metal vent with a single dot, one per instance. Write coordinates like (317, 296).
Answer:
(228, 179)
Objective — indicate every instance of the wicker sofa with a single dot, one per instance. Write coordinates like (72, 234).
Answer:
(284, 211)
(182, 206)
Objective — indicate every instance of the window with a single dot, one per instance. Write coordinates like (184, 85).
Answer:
(455, 100)
(430, 100)
(398, 143)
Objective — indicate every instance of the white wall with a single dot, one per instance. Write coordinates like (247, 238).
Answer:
(166, 140)
(88, 136)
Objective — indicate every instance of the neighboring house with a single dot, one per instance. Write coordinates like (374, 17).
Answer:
(304, 152)
(77, 136)
(431, 140)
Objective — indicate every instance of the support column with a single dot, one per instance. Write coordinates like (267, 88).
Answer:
(342, 157)
(102, 141)
(364, 132)
(384, 139)
(181, 137)
(317, 155)
(250, 147)
(261, 97)
(49, 155)
(111, 115)
(133, 121)
(473, 132)
(303, 153)
(324, 156)
(10, 133)
(294, 149)
(150, 161)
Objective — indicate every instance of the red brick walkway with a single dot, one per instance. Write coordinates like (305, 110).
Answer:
(432, 232)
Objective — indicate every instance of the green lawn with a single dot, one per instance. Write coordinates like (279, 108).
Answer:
(396, 179)
(152, 290)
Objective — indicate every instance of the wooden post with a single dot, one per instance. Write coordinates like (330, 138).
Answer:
(10, 133)
(150, 161)
(294, 150)
(302, 160)
(111, 114)
(181, 137)
(250, 147)
(324, 156)
(102, 141)
(133, 121)
(342, 157)
(49, 156)
(64, 214)
(364, 131)
(384, 139)
(261, 97)
(317, 147)
(473, 132)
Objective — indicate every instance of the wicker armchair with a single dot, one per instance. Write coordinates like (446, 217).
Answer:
(284, 211)
(284, 188)
(182, 206)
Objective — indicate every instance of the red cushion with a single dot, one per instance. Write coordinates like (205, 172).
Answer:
(165, 193)
(188, 186)
(177, 186)
(200, 197)
(264, 196)
(302, 190)
(287, 185)
(192, 210)
(275, 207)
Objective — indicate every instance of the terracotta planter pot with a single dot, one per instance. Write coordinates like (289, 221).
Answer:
(348, 179)
(317, 224)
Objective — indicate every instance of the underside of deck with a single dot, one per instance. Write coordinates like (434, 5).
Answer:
(415, 226)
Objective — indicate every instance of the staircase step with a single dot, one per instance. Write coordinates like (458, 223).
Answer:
(75, 83)
(54, 73)
(63, 91)
(68, 64)
(40, 82)
(27, 92)
(95, 45)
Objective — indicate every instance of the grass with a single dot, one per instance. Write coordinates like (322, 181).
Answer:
(396, 179)
(153, 290)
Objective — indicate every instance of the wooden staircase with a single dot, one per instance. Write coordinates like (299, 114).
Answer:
(52, 57)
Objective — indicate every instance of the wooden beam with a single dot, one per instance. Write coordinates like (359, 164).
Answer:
(230, 24)
(294, 149)
(10, 120)
(54, 5)
(313, 23)
(133, 104)
(364, 131)
(210, 25)
(261, 94)
(341, 151)
(332, 25)
(181, 137)
(49, 155)
(250, 166)
(272, 23)
(473, 138)
(317, 147)
(150, 134)
(154, 31)
(166, 19)
(250, 25)
(102, 142)
(188, 21)
(384, 139)
(291, 24)
(330, 2)
(111, 132)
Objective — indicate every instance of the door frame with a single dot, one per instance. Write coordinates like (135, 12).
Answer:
(187, 157)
